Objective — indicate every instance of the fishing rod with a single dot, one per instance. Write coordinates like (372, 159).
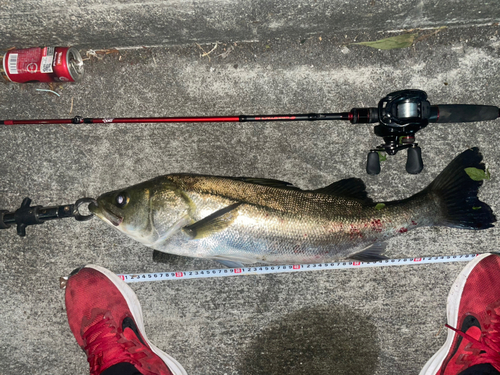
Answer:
(399, 116)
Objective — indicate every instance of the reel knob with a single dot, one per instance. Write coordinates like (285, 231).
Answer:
(373, 163)
(414, 162)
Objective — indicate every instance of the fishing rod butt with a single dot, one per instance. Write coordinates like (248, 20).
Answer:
(449, 113)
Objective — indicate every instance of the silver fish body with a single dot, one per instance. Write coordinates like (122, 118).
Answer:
(244, 220)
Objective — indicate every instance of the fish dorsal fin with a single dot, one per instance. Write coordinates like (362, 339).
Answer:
(250, 180)
(348, 188)
(266, 182)
(213, 223)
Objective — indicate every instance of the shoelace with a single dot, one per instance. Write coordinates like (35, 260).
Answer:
(489, 344)
(103, 340)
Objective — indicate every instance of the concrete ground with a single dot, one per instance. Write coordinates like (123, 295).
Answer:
(365, 321)
(132, 23)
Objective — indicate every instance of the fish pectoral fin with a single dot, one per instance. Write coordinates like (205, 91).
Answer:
(347, 188)
(372, 253)
(213, 223)
(179, 224)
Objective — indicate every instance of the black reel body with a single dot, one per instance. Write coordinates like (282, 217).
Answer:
(405, 108)
(400, 115)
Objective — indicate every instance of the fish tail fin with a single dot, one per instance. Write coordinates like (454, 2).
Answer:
(456, 190)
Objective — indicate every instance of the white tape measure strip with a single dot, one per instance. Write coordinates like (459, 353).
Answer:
(205, 274)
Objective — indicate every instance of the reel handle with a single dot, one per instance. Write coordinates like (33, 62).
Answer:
(447, 113)
(373, 163)
(414, 162)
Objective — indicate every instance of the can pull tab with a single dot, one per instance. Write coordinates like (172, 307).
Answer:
(31, 215)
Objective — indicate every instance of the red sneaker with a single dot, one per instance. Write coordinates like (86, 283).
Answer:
(105, 317)
(473, 311)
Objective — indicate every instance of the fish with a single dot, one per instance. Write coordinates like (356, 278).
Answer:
(239, 221)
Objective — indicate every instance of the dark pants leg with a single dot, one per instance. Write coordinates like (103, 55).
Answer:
(484, 369)
(123, 368)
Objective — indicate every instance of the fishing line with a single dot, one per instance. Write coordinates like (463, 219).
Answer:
(263, 270)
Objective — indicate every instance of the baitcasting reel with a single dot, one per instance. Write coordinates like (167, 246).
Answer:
(403, 113)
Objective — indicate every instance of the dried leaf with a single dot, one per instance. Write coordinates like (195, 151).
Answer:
(400, 41)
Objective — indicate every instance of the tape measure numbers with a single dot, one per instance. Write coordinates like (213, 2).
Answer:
(262, 270)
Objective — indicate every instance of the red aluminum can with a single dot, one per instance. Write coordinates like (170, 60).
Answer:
(47, 64)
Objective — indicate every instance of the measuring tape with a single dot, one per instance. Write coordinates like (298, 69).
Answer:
(263, 270)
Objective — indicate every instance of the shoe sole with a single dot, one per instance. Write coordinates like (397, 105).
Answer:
(135, 307)
(452, 306)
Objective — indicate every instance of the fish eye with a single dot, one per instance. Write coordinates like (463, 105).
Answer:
(122, 199)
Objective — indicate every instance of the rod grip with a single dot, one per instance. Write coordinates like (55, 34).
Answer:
(464, 113)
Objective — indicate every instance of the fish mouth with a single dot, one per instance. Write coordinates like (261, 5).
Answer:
(93, 207)
(105, 214)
